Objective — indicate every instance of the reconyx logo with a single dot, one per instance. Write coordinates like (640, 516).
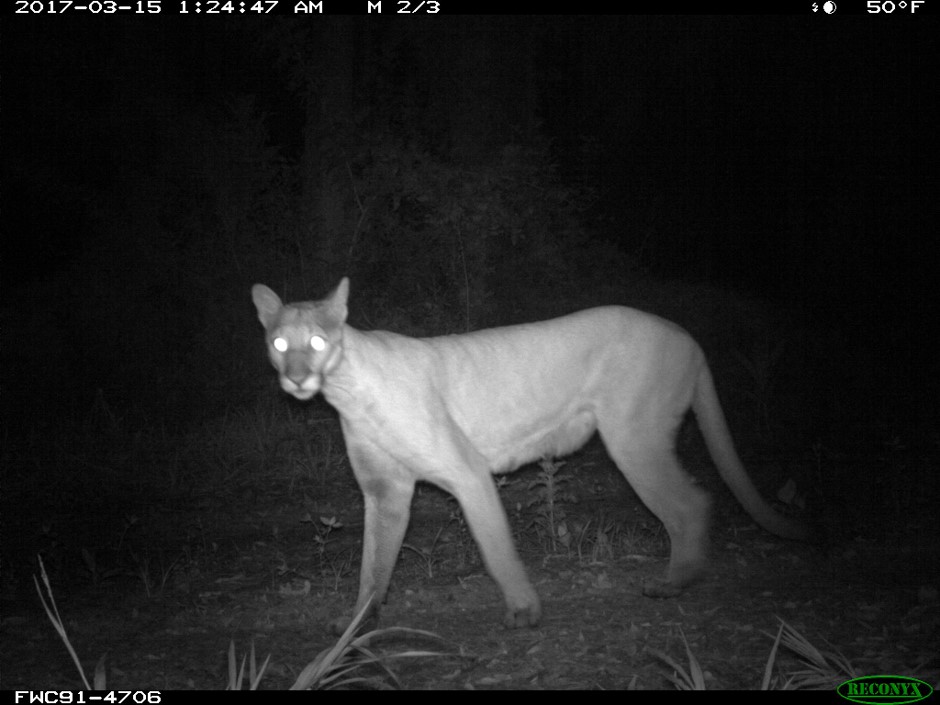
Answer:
(880, 690)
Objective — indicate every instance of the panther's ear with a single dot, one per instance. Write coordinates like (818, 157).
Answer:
(342, 291)
(336, 303)
(267, 302)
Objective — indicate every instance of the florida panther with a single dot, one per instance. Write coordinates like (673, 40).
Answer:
(455, 409)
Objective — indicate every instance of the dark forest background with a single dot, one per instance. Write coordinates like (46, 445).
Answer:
(464, 172)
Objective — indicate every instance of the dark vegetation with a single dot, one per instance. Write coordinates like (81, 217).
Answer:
(480, 173)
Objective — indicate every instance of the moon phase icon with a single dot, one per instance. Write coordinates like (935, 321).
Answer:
(829, 7)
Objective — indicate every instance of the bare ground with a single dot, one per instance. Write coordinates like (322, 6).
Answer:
(254, 563)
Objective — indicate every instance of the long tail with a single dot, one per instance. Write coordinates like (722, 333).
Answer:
(711, 420)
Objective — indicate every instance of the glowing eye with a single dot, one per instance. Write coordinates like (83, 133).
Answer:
(317, 343)
(280, 344)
